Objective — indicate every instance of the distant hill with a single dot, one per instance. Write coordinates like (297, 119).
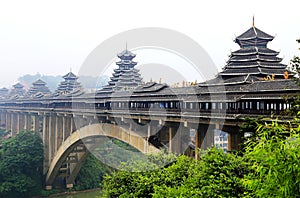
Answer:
(88, 82)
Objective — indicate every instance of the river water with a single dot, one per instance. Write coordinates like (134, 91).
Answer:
(90, 194)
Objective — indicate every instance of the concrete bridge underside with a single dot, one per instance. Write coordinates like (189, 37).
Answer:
(69, 138)
(73, 150)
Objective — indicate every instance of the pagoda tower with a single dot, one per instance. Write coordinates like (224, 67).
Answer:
(18, 90)
(38, 86)
(69, 85)
(3, 92)
(254, 59)
(126, 76)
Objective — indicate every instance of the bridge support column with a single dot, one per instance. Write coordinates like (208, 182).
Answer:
(196, 143)
(179, 137)
(46, 143)
(14, 124)
(58, 132)
(3, 119)
(8, 121)
(170, 138)
(67, 126)
(52, 137)
(234, 139)
(21, 120)
(205, 136)
(36, 123)
(72, 125)
(28, 123)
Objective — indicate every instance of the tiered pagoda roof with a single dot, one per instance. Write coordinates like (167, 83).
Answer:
(254, 58)
(18, 90)
(3, 92)
(38, 86)
(126, 76)
(69, 85)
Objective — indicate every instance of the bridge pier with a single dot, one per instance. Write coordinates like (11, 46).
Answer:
(51, 137)
(3, 119)
(8, 121)
(14, 124)
(234, 138)
(46, 142)
(36, 123)
(58, 132)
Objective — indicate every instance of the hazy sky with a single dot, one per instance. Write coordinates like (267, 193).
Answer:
(49, 37)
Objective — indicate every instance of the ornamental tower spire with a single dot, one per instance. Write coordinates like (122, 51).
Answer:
(254, 59)
(125, 76)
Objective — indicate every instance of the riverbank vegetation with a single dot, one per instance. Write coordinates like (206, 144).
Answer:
(21, 163)
(267, 167)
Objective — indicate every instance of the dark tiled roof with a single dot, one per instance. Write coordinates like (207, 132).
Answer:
(126, 76)
(18, 85)
(254, 58)
(254, 32)
(70, 75)
(69, 85)
(39, 82)
(253, 50)
(38, 87)
(255, 64)
(18, 90)
(126, 55)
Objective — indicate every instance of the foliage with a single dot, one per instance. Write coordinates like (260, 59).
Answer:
(217, 174)
(295, 63)
(295, 66)
(21, 163)
(137, 178)
(91, 174)
(3, 135)
(275, 160)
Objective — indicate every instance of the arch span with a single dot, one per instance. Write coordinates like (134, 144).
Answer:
(74, 151)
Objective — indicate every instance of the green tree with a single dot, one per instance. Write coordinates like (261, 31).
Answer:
(274, 159)
(21, 163)
(3, 135)
(91, 174)
(295, 104)
(138, 178)
(215, 174)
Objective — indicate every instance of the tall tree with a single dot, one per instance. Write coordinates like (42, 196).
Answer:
(21, 163)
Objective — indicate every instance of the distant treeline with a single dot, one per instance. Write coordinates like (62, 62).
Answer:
(88, 82)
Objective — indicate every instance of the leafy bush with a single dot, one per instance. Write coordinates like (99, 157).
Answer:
(21, 164)
(275, 160)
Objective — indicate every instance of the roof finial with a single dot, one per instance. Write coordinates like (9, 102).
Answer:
(70, 69)
(126, 45)
(253, 21)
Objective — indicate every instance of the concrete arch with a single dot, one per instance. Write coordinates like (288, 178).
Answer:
(74, 141)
